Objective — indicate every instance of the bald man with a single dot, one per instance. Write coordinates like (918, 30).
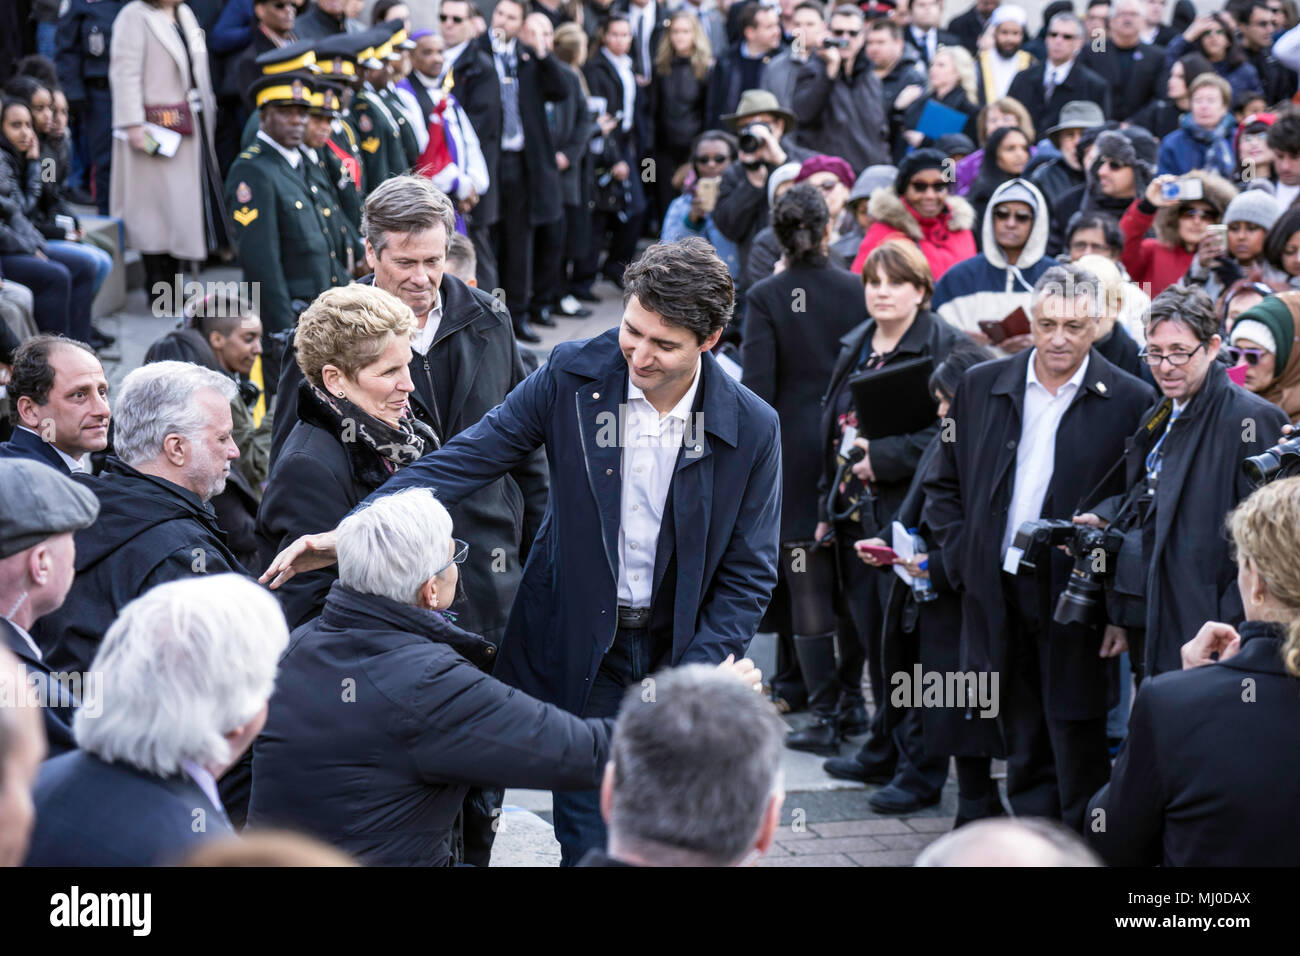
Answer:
(22, 748)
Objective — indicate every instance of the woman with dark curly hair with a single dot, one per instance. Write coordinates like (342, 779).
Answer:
(1215, 38)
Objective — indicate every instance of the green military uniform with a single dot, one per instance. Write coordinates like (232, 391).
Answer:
(330, 180)
(281, 228)
(382, 154)
(410, 145)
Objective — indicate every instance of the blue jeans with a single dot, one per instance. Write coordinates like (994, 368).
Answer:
(97, 258)
(578, 823)
(51, 285)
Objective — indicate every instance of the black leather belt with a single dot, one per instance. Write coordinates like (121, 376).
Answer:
(633, 617)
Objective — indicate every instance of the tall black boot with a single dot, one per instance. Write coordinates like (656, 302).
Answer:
(816, 653)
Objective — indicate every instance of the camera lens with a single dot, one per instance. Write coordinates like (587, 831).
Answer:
(1263, 468)
(1078, 602)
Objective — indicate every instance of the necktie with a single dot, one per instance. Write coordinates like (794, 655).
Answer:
(511, 127)
(1050, 86)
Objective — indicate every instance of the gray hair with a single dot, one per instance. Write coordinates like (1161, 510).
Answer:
(847, 10)
(181, 667)
(394, 545)
(1024, 841)
(157, 400)
(1187, 305)
(405, 204)
(697, 758)
(1069, 281)
(1068, 18)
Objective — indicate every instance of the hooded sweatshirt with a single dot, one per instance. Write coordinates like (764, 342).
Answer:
(986, 286)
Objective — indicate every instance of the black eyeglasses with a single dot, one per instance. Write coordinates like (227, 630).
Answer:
(1058, 35)
(939, 187)
(714, 158)
(845, 33)
(462, 550)
(1237, 354)
(1176, 359)
(1004, 214)
(449, 18)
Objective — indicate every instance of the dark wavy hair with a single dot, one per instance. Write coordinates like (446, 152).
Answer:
(33, 375)
(799, 220)
(684, 283)
(1286, 227)
(1188, 306)
(965, 354)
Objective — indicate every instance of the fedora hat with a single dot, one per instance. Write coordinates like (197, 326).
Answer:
(753, 102)
(1078, 114)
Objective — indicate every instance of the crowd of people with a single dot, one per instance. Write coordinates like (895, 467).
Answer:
(961, 357)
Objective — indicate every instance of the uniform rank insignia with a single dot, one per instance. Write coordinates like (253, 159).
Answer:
(371, 144)
(243, 193)
(244, 216)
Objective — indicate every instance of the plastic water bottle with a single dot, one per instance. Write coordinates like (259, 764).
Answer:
(922, 590)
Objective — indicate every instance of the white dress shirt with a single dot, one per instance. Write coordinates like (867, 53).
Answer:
(929, 39)
(449, 58)
(36, 651)
(423, 338)
(1057, 73)
(1004, 71)
(512, 144)
(205, 781)
(291, 156)
(623, 64)
(643, 26)
(1036, 451)
(75, 465)
(650, 448)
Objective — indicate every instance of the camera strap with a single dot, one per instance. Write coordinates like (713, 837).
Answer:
(1148, 429)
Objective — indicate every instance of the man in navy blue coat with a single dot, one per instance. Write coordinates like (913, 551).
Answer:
(60, 393)
(659, 544)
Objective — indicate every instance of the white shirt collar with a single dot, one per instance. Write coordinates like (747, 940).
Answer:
(683, 407)
(621, 60)
(75, 465)
(1076, 380)
(291, 156)
(206, 782)
(449, 57)
(422, 339)
(28, 638)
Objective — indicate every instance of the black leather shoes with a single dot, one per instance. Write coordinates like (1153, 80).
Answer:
(852, 715)
(849, 768)
(968, 811)
(584, 295)
(524, 332)
(892, 799)
(822, 736)
(542, 316)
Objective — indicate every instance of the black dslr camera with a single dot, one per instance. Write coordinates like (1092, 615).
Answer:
(749, 141)
(1095, 552)
(1280, 461)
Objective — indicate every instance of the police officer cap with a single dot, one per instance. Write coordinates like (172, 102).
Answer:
(38, 503)
(291, 89)
(296, 57)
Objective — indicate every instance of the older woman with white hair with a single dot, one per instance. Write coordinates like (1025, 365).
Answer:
(385, 715)
(1120, 306)
(185, 673)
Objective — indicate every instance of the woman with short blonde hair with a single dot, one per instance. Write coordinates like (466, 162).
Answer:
(359, 422)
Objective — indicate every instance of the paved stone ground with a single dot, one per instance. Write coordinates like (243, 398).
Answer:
(825, 822)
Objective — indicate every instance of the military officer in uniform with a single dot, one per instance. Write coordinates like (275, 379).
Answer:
(332, 180)
(81, 57)
(381, 141)
(338, 66)
(298, 57)
(280, 224)
(388, 90)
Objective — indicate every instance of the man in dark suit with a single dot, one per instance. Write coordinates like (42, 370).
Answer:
(478, 90)
(743, 66)
(922, 36)
(60, 399)
(1132, 69)
(969, 26)
(142, 790)
(529, 79)
(1047, 86)
(1035, 435)
(664, 509)
(38, 514)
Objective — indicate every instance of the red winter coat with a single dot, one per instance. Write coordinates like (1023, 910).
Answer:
(945, 240)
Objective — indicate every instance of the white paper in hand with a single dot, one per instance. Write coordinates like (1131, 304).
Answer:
(903, 548)
(168, 140)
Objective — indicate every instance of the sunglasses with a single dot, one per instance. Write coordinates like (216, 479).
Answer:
(920, 187)
(845, 33)
(1058, 35)
(1237, 355)
(1005, 214)
(714, 158)
(1194, 212)
(449, 18)
(285, 5)
(1114, 165)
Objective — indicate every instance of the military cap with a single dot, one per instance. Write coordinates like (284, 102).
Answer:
(293, 89)
(399, 37)
(337, 55)
(326, 96)
(297, 57)
(39, 503)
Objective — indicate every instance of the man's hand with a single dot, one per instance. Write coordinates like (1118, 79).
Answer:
(1155, 196)
(561, 161)
(769, 151)
(308, 553)
(915, 138)
(1017, 343)
(606, 123)
(833, 59)
(1114, 641)
(743, 670)
(620, 171)
(1213, 642)
(1090, 519)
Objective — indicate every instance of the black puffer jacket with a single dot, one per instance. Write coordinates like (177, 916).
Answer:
(17, 234)
(679, 102)
(383, 718)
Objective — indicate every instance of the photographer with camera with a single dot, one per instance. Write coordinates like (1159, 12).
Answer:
(1184, 473)
(741, 211)
(1207, 776)
(1033, 435)
(839, 99)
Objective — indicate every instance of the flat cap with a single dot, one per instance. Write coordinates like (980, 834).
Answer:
(39, 503)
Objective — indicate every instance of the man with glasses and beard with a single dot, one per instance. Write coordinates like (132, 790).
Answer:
(1183, 469)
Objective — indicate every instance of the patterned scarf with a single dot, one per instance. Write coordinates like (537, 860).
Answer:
(396, 447)
(1217, 143)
